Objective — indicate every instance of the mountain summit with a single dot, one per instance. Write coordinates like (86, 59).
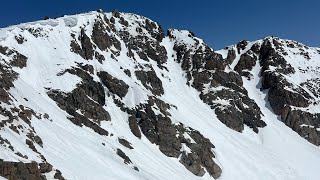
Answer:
(112, 96)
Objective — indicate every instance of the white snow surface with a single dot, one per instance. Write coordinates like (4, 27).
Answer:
(275, 153)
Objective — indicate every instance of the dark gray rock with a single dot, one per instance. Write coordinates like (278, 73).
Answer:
(81, 120)
(116, 13)
(270, 57)
(17, 59)
(134, 126)
(4, 96)
(88, 97)
(247, 62)
(78, 100)
(283, 94)
(255, 48)
(31, 145)
(86, 50)
(144, 46)
(35, 138)
(304, 123)
(168, 143)
(231, 56)
(114, 85)
(136, 168)
(86, 67)
(20, 170)
(192, 165)
(241, 45)
(160, 130)
(154, 29)
(6, 80)
(230, 117)
(161, 105)
(279, 97)
(205, 69)
(91, 88)
(150, 81)
(127, 72)
(214, 62)
(20, 39)
(58, 175)
(123, 22)
(101, 37)
(45, 167)
(99, 57)
(125, 158)
(125, 143)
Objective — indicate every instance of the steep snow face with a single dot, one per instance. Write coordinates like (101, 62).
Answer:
(109, 96)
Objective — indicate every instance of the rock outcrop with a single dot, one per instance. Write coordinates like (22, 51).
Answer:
(223, 91)
(291, 99)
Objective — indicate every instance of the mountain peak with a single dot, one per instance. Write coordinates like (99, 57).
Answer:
(113, 91)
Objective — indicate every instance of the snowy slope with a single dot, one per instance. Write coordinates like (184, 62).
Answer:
(83, 142)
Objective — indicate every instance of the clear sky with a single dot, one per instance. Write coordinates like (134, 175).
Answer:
(219, 23)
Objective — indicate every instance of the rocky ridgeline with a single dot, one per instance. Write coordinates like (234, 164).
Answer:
(288, 98)
(159, 129)
(285, 97)
(139, 41)
(222, 90)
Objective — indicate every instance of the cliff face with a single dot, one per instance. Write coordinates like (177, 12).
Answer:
(110, 95)
(289, 74)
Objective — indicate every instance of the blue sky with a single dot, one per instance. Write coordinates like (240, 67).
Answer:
(219, 23)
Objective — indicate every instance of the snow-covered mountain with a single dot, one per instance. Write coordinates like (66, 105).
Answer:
(112, 96)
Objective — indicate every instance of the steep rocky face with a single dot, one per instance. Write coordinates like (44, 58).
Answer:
(289, 72)
(112, 90)
(222, 90)
(88, 98)
(150, 81)
(176, 140)
(285, 95)
(115, 85)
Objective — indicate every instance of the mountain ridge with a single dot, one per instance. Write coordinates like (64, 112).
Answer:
(116, 82)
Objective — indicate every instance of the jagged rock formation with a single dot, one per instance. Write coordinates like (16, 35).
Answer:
(114, 91)
(223, 91)
(33, 170)
(290, 73)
